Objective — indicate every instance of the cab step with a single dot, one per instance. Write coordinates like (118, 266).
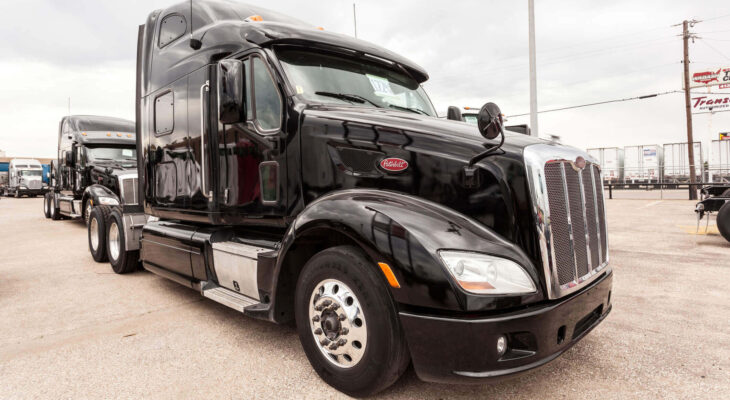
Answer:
(227, 297)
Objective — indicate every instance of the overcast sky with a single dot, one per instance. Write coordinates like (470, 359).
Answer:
(475, 51)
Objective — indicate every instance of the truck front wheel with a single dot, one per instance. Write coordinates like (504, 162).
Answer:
(97, 232)
(348, 324)
(723, 221)
(122, 261)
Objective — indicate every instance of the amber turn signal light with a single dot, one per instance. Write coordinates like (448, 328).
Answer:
(389, 275)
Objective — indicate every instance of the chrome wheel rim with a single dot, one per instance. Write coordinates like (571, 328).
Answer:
(114, 244)
(337, 323)
(88, 212)
(94, 232)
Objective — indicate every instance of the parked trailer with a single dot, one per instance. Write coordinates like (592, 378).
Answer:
(676, 162)
(719, 165)
(611, 160)
(3, 177)
(643, 164)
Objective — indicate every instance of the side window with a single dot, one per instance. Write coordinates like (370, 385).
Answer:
(171, 28)
(164, 114)
(267, 104)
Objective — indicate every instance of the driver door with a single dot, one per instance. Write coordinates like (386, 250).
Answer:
(251, 155)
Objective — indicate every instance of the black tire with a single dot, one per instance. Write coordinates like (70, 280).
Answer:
(46, 205)
(385, 356)
(17, 194)
(97, 232)
(723, 221)
(122, 261)
(53, 210)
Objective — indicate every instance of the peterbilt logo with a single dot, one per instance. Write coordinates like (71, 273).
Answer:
(579, 163)
(394, 164)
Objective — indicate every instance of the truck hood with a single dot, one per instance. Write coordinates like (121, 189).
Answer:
(344, 148)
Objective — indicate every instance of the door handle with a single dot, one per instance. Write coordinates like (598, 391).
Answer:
(206, 193)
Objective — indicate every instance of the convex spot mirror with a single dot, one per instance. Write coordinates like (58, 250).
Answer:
(489, 121)
(231, 89)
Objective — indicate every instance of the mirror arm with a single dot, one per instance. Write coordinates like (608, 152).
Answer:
(489, 151)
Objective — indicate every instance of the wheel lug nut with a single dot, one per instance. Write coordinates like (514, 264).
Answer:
(315, 318)
(342, 317)
(324, 342)
(327, 302)
(341, 342)
(318, 331)
(345, 331)
(334, 346)
(319, 308)
(335, 306)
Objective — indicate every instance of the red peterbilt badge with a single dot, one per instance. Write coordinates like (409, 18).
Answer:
(394, 164)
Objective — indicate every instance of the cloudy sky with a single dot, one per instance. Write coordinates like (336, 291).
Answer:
(475, 51)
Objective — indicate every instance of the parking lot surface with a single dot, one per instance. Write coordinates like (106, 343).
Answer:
(71, 328)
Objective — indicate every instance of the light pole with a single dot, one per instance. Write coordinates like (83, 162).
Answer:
(533, 70)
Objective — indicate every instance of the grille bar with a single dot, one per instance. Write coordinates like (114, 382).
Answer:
(576, 220)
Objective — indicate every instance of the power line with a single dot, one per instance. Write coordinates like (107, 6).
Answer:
(716, 50)
(600, 103)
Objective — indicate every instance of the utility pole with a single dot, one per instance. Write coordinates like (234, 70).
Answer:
(686, 35)
(354, 17)
(533, 70)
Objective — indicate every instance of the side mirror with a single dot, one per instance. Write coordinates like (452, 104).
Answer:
(490, 121)
(454, 114)
(231, 99)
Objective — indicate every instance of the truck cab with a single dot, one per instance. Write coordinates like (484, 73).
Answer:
(25, 178)
(301, 176)
(96, 165)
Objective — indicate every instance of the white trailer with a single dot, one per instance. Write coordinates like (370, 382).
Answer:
(676, 162)
(611, 160)
(643, 164)
(719, 165)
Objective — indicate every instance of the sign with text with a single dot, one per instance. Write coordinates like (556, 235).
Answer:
(710, 103)
(711, 77)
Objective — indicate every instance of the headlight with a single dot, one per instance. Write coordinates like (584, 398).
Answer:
(108, 201)
(23, 187)
(484, 274)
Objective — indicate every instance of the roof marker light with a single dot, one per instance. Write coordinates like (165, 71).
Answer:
(108, 134)
(119, 135)
(320, 28)
(129, 135)
(83, 133)
(254, 18)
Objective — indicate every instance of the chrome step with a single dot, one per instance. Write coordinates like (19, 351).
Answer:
(228, 298)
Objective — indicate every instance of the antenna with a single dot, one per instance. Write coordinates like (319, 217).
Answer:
(195, 44)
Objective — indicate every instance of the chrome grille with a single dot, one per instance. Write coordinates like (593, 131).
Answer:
(570, 216)
(35, 184)
(129, 190)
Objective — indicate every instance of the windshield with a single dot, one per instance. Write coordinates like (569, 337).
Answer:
(103, 124)
(330, 78)
(111, 153)
(470, 118)
(28, 172)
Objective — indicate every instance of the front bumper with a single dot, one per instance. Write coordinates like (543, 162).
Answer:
(463, 350)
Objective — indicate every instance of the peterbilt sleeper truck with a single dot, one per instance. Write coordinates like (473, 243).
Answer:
(301, 176)
(96, 165)
(25, 178)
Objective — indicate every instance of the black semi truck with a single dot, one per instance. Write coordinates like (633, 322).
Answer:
(96, 165)
(301, 176)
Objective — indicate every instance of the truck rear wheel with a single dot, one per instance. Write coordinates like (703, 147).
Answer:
(723, 221)
(122, 260)
(347, 323)
(46, 205)
(97, 232)
(52, 209)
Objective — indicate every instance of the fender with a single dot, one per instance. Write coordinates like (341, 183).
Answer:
(95, 191)
(407, 232)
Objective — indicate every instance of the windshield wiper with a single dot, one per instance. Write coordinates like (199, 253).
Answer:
(349, 97)
(414, 110)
